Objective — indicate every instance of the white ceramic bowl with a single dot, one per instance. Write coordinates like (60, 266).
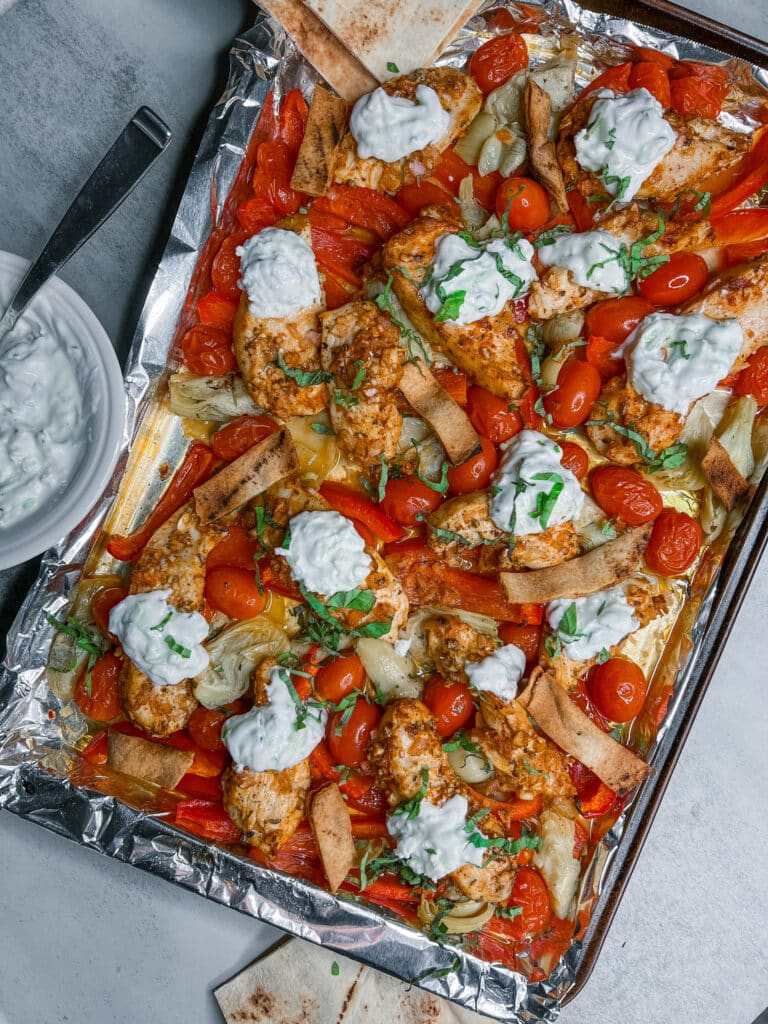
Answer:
(104, 402)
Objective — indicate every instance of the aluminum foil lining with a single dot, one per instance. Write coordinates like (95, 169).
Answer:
(36, 763)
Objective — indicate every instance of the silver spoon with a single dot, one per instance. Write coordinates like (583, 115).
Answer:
(134, 151)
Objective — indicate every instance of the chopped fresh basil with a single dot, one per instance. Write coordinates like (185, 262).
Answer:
(177, 648)
(383, 477)
(84, 639)
(323, 428)
(681, 346)
(441, 485)
(451, 305)
(546, 500)
(603, 656)
(392, 68)
(508, 912)
(414, 343)
(412, 807)
(358, 600)
(335, 969)
(303, 378)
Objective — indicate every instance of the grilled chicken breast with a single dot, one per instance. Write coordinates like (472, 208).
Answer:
(491, 883)
(266, 806)
(451, 643)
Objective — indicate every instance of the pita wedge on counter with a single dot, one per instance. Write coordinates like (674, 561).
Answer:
(296, 982)
(379, 32)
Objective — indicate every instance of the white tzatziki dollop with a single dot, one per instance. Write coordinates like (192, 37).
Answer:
(586, 626)
(277, 735)
(165, 644)
(42, 439)
(625, 139)
(531, 489)
(279, 273)
(468, 281)
(435, 842)
(673, 360)
(499, 673)
(325, 552)
(392, 127)
(591, 257)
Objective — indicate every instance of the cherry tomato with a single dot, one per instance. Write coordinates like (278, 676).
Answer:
(698, 89)
(618, 689)
(574, 458)
(753, 379)
(234, 591)
(623, 493)
(497, 60)
(225, 269)
(207, 352)
(578, 388)
(406, 498)
(677, 280)
(450, 703)
(240, 434)
(416, 196)
(615, 78)
(348, 733)
(530, 893)
(615, 319)
(103, 603)
(103, 702)
(491, 415)
(527, 638)
(595, 798)
(217, 311)
(205, 724)
(477, 472)
(524, 203)
(453, 381)
(674, 544)
(651, 76)
(339, 677)
(237, 548)
(600, 354)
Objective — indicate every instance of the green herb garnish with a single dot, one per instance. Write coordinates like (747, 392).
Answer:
(303, 378)
(177, 648)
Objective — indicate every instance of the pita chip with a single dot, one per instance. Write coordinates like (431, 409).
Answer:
(148, 761)
(541, 152)
(724, 478)
(332, 829)
(442, 413)
(317, 156)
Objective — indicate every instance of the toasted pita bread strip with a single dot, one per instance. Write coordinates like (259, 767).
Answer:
(446, 417)
(332, 829)
(148, 761)
(261, 466)
(597, 570)
(331, 58)
(317, 156)
(564, 722)
(542, 154)
(724, 479)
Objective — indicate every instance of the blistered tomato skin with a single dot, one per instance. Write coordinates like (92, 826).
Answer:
(339, 677)
(530, 893)
(675, 542)
(622, 493)
(578, 388)
(348, 733)
(618, 689)
(753, 379)
(476, 473)
(574, 458)
(491, 415)
(615, 319)
(523, 204)
(450, 703)
(407, 498)
(682, 277)
(497, 60)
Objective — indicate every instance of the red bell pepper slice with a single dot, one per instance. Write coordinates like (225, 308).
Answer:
(510, 810)
(583, 214)
(354, 505)
(365, 208)
(754, 178)
(199, 463)
(95, 751)
(385, 888)
(292, 120)
(208, 763)
(453, 382)
(201, 787)
(279, 582)
(369, 828)
(741, 226)
(207, 819)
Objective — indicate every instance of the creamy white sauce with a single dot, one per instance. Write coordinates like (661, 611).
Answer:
(279, 273)
(673, 360)
(591, 257)
(272, 737)
(499, 673)
(531, 489)
(596, 622)
(42, 435)
(392, 127)
(434, 843)
(325, 552)
(628, 136)
(163, 643)
(474, 275)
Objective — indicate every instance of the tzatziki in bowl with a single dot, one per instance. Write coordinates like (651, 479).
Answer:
(62, 413)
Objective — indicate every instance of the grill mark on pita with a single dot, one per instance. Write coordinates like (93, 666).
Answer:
(350, 992)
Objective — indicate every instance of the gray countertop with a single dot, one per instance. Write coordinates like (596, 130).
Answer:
(88, 939)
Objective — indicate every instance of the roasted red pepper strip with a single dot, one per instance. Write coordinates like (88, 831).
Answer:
(741, 226)
(355, 505)
(208, 763)
(386, 888)
(755, 176)
(369, 828)
(197, 466)
(365, 208)
(201, 787)
(453, 382)
(510, 810)
(207, 819)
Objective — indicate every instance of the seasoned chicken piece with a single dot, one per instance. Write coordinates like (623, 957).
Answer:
(174, 559)
(451, 642)
(458, 94)
(266, 806)
(361, 348)
(487, 348)
(554, 545)
(741, 292)
(404, 744)
(491, 883)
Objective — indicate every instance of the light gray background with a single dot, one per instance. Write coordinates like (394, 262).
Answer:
(89, 940)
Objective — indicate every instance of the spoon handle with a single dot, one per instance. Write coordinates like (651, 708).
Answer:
(137, 147)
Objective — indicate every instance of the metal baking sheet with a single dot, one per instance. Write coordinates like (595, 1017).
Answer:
(37, 767)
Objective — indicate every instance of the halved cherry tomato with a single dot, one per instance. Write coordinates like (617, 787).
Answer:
(415, 196)
(599, 353)
(102, 703)
(217, 311)
(574, 458)
(615, 319)
(698, 89)
(578, 388)
(237, 548)
(206, 819)
(675, 542)
(354, 505)
(234, 592)
(335, 679)
(207, 352)
(452, 170)
(527, 638)
(450, 703)
(523, 203)
(530, 893)
(595, 798)
(623, 493)
(618, 689)
(453, 382)
(491, 416)
(349, 732)
(753, 379)
(651, 76)
(205, 724)
(615, 78)
(677, 280)
(365, 208)
(407, 498)
(103, 603)
(242, 433)
(753, 177)
(496, 61)
(477, 472)
(225, 269)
